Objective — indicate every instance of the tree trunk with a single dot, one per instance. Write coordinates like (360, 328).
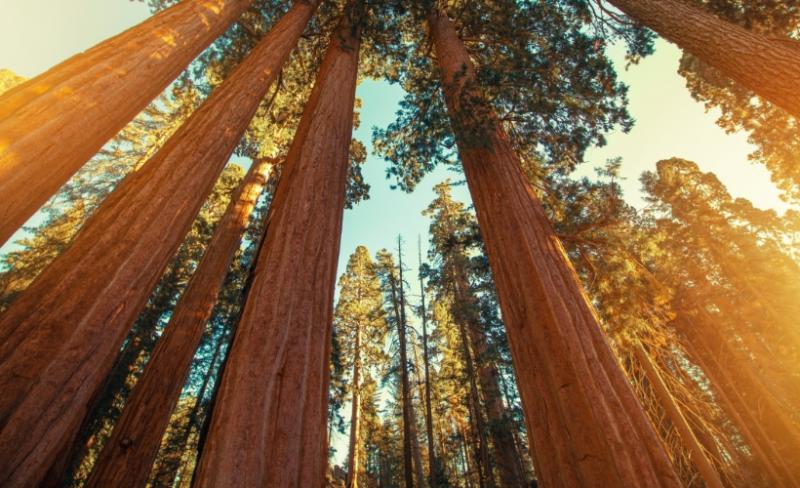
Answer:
(268, 426)
(586, 425)
(51, 125)
(129, 454)
(352, 458)
(434, 473)
(748, 404)
(768, 67)
(507, 457)
(698, 455)
(60, 338)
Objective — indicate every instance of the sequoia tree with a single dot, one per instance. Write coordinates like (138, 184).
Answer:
(278, 366)
(579, 406)
(63, 333)
(768, 66)
(136, 436)
(51, 124)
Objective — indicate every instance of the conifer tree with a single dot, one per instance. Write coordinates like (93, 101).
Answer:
(360, 321)
(130, 241)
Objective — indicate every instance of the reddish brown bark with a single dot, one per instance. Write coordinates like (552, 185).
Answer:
(129, 454)
(52, 124)
(60, 338)
(586, 426)
(268, 427)
(766, 66)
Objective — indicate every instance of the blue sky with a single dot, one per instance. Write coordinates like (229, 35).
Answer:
(36, 34)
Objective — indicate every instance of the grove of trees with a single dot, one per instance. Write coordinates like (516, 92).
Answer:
(172, 315)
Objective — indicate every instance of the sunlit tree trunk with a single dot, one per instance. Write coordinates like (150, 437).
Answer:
(766, 428)
(768, 67)
(59, 340)
(133, 445)
(268, 426)
(586, 425)
(52, 124)
(434, 470)
(355, 413)
(698, 455)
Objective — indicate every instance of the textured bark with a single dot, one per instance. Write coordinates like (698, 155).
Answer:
(586, 426)
(355, 417)
(698, 455)
(132, 448)
(268, 426)
(768, 67)
(52, 124)
(59, 340)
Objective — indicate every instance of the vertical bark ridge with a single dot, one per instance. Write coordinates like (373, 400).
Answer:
(586, 426)
(278, 367)
(766, 66)
(60, 338)
(51, 125)
(129, 453)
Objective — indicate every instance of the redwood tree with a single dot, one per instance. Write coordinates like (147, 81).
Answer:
(584, 420)
(52, 124)
(768, 66)
(278, 366)
(61, 336)
(129, 453)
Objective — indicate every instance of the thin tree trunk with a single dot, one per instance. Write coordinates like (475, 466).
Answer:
(133, 445)
(407, 395)
(507, 457)
(352, 458)
(60, 338)
(51, 125)
(433, 464)
(587, 426)
(482, 458)
(278, 367)
(698, 455)
(768, 67)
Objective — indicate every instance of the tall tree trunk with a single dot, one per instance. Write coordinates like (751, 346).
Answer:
(765, 428)
(355, 415)
(698, 455)
(507, 457)
(60, 338)
(134, 443)
(408, 400)
(767, 66)
(482, 460)
(434, 471)
(587, 426)
(52, 124)
(278, 366)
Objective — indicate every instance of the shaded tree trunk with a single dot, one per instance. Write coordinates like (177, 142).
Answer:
(698, 455)
(768, 67)
(51, 125)
(278, 367)
(434, 470)
(586, 425)
(355, 415)
(60, 338)
(134, 443)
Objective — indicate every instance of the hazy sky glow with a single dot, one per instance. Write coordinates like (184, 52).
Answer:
(36, 34)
